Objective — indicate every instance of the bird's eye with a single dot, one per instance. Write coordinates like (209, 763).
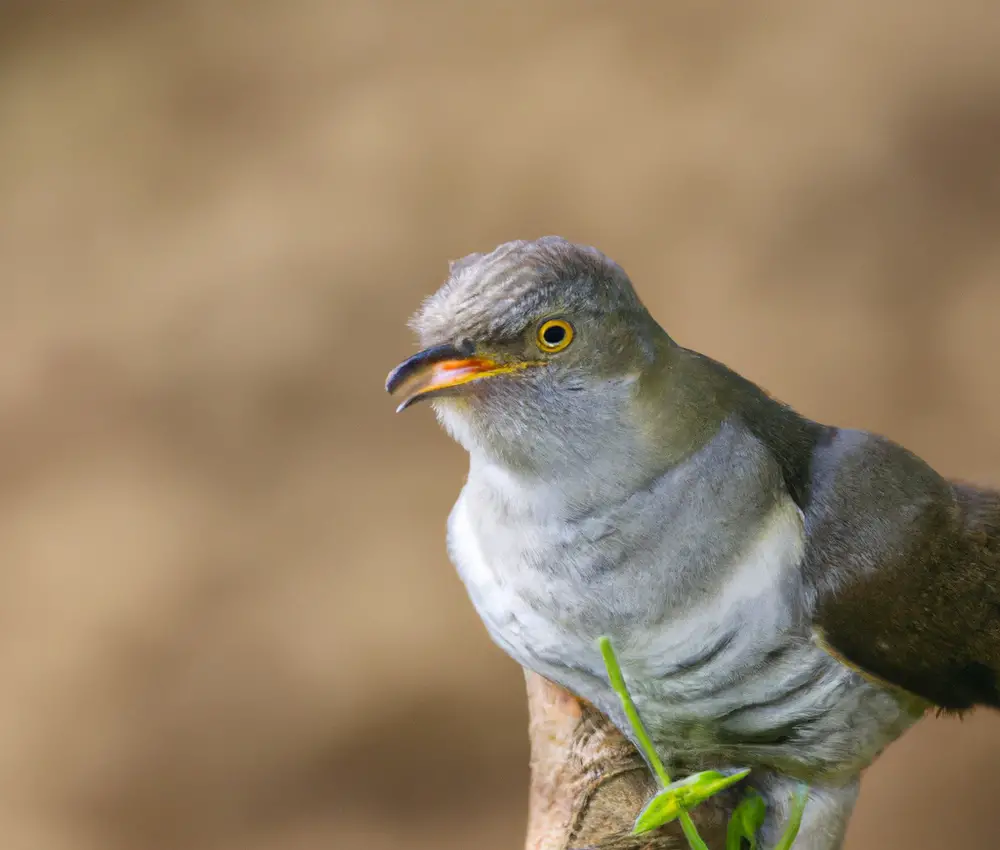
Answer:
(554, 335)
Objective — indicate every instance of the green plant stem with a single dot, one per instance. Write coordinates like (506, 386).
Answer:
(691, 832)
(794, 821)
(632, 713)
(618, 685)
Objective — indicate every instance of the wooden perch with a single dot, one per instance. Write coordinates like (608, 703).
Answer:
(588, 783)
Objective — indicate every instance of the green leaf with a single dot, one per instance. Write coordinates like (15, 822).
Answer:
(663, 808)
(795, 821)
(683, 795)
(746, 821)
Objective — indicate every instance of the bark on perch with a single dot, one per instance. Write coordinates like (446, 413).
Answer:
(588, 783)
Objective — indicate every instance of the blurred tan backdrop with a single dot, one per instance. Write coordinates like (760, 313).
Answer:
(227, 618)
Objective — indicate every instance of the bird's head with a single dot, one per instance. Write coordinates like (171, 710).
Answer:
(534, 353)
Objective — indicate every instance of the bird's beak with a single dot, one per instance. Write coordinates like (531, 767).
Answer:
(440, 368)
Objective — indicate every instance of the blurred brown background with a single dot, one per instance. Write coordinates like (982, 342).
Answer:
(227, 618)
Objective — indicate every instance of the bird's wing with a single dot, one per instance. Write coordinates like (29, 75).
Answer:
(908, 570)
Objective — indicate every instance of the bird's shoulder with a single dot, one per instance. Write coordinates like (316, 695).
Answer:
(903, 564)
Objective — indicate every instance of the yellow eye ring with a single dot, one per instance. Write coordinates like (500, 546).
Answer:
(554, 335)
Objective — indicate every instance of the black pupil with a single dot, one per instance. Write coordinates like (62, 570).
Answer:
(554, 334)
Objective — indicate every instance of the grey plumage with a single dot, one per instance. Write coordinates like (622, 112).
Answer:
(491, 296)
(627, 486)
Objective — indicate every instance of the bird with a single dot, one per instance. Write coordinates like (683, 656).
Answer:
(781, 594)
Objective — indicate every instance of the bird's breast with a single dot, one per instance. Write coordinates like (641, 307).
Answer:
(672, 585)
(713, 637)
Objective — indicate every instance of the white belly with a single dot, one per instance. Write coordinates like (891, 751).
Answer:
(723, 670)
